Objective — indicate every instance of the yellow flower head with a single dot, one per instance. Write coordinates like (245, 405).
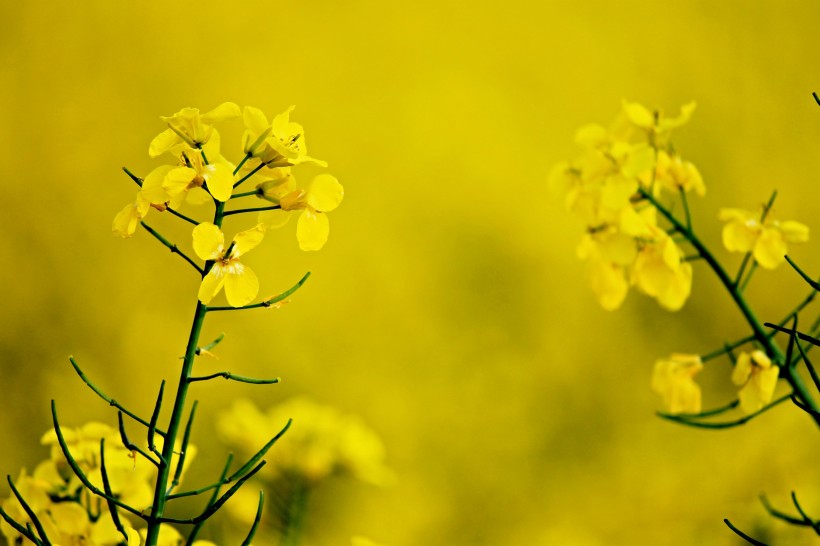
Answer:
(190, 129)
(674, 174)
(756, 376)
(655, 123)
(189, 180)
(660, 272)
(278, 144)
(323, 195)
(240, 282)
(766, 240)
(321, 441)
(673, 379)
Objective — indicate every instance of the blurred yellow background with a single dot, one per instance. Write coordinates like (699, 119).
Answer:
(448, 309)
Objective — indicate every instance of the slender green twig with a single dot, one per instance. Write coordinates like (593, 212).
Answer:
(780, 515)
(253, 209)
(180, 215)
(256, 520)
(743, 535)
(746, 257)
(241, 163)
(38, 525)
(108, 399)
(811, 282)
(812, 372)
(246, 194)
(183, 452)
(234, 377)
(133, 177)
(250, 174)
(259, 454)
(174, 248)
(131, 446)
(767, 342)
(727, 348)
(211, 345)
(19, 528)
(112, 508)
(814, 525)
(684, 420)
(745, 283)
(198, 527)
(152, 425)
(223, 480)
(685, 203)
(269, 302)
(79, 472)
(212, 509)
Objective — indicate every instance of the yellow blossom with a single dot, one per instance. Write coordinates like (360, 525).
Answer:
(240, 282)
(190, 129)
(673, 379)
(654, 122)
(180, 181)
(766, 240)
(323, 195)
(659, 271)
(278, 144)
(320, 442)
(756, 376)
(126, 221)
(675, 174)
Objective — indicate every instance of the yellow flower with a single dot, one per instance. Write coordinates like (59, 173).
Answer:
(766, 240)
(673, 379)
(675, 174)
(126, 221)
(323, 195)
(190, 129)
(757, 378)
(660, 272)
(278, 144)
(240, 282)
(321, 441)
(189, 179)
(654, 122)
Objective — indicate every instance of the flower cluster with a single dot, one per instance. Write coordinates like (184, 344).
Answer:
(201, 174)
(322, 441)
(67, 511)
(608, 186)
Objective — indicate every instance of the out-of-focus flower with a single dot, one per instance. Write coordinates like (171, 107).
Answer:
(659, 271)
(675, 174)
(321, 441)
(323, 195)
(673, 379)
(240, 282)
(756, 376)
(190, 129)
(655, 123)
(362, 541)
(766, 240)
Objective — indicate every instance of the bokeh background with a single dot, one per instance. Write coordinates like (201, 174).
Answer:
(448, 309)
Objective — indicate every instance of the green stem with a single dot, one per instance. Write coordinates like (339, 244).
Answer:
(294, 515)
(161, 492)
(772, 349)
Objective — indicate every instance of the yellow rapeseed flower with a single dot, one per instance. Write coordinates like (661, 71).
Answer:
(766, 240)
(659, 271)
(190, 129)
(240, 282)
(189, 179)
(756, 376)
(323, 195)
(673, 379)
(278, 144)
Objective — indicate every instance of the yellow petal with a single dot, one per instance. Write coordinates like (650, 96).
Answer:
(794, 232)
(245, 241)
(241, 285)
(770, 249)
(163, 142)
(591, 135)
(325, 193)
(641, 158)
(608, 283)
(177, 180)
(211, 284)
(677, 289)
(219, 178)
(209, 241)
(197, 196)
(125, 222)
(312, 230)
(740, 236)
(152, 188)
(273, 219)
(638, 114)
(223, 112)
(742, 369)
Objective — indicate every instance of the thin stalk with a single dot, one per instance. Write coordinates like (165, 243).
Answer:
(772, 349)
